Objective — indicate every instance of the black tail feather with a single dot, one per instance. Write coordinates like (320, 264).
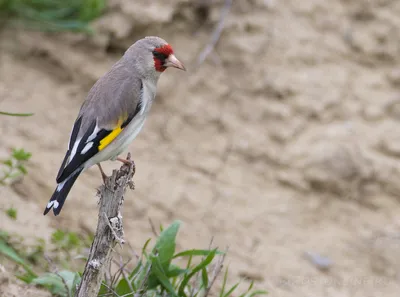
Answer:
(58, 198)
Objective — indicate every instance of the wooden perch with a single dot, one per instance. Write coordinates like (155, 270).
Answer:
(109, 230)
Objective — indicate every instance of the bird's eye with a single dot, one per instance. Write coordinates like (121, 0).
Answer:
(160, 56)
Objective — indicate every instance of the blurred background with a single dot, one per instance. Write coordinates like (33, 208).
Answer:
(281, 140)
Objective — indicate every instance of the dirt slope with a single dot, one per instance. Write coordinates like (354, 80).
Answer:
(284, 142)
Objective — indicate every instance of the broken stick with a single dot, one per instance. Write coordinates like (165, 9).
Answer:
(109, 230)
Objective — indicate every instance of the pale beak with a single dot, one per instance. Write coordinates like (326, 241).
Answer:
(172, 61)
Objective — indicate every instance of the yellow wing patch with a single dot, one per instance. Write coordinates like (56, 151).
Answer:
(110, 137)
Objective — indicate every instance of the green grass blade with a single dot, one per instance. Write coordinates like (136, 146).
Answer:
(204, 278)
(258, 292)
(195, 252)
(196, 269)
(224, 282)
(145, 246)
(175, 271)
(10, 253)
(16, 114)
(158, 272)
(231, 290)
(248, 290)
(135, 271)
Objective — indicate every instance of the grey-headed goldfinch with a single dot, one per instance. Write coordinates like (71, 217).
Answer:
(114, 112)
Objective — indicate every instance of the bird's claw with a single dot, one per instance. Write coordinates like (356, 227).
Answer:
(130, 163)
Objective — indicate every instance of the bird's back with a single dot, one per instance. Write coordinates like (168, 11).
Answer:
(116, 94)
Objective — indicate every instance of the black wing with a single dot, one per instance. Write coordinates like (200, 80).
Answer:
(79, 158)
(72, 163)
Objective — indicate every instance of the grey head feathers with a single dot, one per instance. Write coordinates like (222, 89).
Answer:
(140, 57)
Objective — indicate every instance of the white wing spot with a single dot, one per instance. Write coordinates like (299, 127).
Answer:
(94, 134)
(73, 152)
(87, 147)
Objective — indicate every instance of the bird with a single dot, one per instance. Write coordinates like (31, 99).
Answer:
(113, 112)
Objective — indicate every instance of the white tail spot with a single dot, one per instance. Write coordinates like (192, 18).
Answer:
(53, 203)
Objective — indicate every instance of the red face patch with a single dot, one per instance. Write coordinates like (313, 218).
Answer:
(160, 54)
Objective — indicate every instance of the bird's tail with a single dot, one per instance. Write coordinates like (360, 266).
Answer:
(60, 194)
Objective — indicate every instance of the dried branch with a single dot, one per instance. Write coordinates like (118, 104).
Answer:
(216, 33)
(153, 228)
(109, 230)
(216, 271)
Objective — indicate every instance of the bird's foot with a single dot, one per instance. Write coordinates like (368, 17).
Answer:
(103, 175)
(128, 162)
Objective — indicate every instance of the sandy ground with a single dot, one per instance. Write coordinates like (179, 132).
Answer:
(282, 143)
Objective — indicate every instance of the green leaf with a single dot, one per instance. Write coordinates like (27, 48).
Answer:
(195, 252)
(123, 287)
(14, 175)
(196, 269)
(165, 245)
(12, 213)
(75, 283)
(73, 240)
(22, 169)
(164, 250)
(10, 253)
(52, 282)
(103, 290)
(8, 163)
(91, 9)
(16, 114)
(204, 277)
(57, 236)
(68, 276)
(26, 278)
(158, 272)
(21, 155)
(175, 271)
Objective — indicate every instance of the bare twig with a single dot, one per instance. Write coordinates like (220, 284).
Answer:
(121, 269)
(133, 251)
(143, 285)
(196, 288)
(216, 33)
(216, 271)
(112, 293)
(55, 271)
(64, 282)
(127, 280)
(153, 228)
(109, 232)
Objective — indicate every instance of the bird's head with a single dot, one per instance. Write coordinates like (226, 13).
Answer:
(152, 55)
